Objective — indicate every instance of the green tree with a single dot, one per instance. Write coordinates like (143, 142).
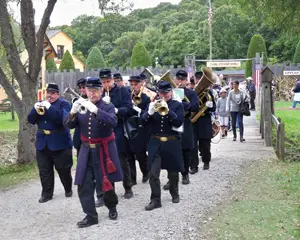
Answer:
(140, 56)
(51, 65)
(257, 45)
(67, 62)
(296, 58)
(95, 59)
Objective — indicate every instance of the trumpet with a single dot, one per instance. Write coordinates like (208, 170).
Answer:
(160, 107)
(76, 96)
(137, 99)
(41, 110)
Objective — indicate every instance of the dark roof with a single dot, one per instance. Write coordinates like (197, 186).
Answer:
(231, 72)
(52, 33)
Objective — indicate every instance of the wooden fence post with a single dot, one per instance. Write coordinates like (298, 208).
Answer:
(281, 141)
(267, 76)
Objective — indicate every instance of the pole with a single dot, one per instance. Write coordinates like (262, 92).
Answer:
(210, 30)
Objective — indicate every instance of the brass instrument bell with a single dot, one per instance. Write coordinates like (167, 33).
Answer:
(160, 107)
(41, 110)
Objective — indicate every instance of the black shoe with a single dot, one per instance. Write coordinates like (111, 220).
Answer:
(145, 178)
(242, 139)
(185, 179)
(113, 214)
(44, 199)
(128, 194)
(69, 194)
(134, 183)
(87, 222)
(206, 166)
(226, 132)
(234, 139)
(193, 170)
(223, 136)
(167, 186)
(175, 199)
(99, 202)
(152, 205)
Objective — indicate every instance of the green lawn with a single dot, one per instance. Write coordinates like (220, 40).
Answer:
(7, 124)
(283, 104)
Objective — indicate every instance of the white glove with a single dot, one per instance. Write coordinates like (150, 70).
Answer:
(46, 104)
(151, 108)
(116, 110)
(75, 107)
(81, 100)
(106, 99)
(178, 99)
(90, 106)
(137, 109)
(209, 104)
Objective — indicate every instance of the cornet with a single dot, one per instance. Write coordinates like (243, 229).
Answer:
(137, 99)
(41, 110)
(76, 96)
(160, 107)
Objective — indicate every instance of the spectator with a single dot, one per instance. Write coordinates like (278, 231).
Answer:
(296, 92)
(221, 112)
(252, 91)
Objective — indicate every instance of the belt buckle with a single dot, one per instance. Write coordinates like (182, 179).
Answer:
(92, 145)
(163, 139)
(47, 132)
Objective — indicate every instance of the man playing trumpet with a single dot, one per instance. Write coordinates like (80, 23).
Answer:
(53, 142)
(98, 161)
(164, 148)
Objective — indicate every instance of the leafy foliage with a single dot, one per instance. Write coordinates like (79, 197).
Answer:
(67, 62)
(257, 45)
(51, 65)
(140, 56)
(297, 54)
(95, 59)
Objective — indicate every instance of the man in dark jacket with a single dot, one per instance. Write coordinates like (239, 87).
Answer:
(252, 91)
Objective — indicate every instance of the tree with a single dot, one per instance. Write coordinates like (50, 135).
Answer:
(26, 77)
(67, 62)
(95, 59)
(110, 6)
(140, 56)
(257, 45)
(297, 54)
(51, 65)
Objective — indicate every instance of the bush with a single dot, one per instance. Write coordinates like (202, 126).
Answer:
(95, 59)
(297, 54)
(257, 45)
(140, 56)
(67, 62)
(51, 65)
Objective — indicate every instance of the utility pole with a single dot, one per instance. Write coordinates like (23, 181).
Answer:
(210, 28)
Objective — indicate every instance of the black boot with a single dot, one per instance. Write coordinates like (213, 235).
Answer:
(87, 222)
(242, 139)
(152, 205)
(128, 193)
(99, 202)
(185, 179)
(193, 170)
(69, 194)
(113, 214)
(167, 186)
(145, 178)
(206, 166)
(44, 199)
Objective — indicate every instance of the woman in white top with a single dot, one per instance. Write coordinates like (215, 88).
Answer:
(234, 99)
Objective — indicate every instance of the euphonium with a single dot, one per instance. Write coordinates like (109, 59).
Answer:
(137, 99)
(160, 107)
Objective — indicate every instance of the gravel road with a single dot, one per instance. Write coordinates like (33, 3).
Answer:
(22, 217)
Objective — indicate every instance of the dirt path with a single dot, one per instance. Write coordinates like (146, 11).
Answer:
(22, 217)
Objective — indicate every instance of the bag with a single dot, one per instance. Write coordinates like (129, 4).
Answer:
(245, 108)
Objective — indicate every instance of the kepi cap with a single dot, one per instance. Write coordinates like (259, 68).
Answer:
(118, 76)
(105, 73)
(135, 78)
(93, 82)
(181, 74)
(163, 86)
(52, 87)
(81, 81)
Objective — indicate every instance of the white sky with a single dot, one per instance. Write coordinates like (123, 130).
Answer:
(66, 10)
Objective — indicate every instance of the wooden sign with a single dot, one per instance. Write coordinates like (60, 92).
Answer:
(223, 64)
(291, 73)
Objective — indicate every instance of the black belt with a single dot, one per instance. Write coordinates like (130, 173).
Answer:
(48, 132)
(165, 138)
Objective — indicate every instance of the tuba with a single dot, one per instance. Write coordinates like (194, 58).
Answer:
(202, 92)
(75, 97)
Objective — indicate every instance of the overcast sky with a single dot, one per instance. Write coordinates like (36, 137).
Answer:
(66, 10)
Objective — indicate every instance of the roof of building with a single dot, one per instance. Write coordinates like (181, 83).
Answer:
(52, 33)
(231, 72)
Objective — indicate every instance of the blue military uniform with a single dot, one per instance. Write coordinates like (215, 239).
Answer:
(120, 98)
(53, 145)
(203, 134)
(138, 143)
(164, 148)
(97, 153)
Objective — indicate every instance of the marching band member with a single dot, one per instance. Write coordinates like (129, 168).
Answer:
(53, 142)
(203, 134)
(121, 99)
(98, 158)
(164, 148)
(139, 143)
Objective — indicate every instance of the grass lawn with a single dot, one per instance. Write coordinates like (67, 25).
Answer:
(283, 104)
(7, 124)
(267, 208)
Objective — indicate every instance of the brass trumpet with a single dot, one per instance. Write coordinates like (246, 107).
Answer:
(160, 107)
(82, 110)
(41, 110)
(137, 99)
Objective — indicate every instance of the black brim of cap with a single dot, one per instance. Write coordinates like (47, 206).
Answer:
(51, 90)
(165, 90)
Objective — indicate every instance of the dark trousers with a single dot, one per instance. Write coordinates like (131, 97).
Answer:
(155, 181)
(124, 160)
(202, 146)
(252, 101)
(186, 153)
(142, 159)
(234, 117)
(99, 192)
(62, 161)
(87, 189)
